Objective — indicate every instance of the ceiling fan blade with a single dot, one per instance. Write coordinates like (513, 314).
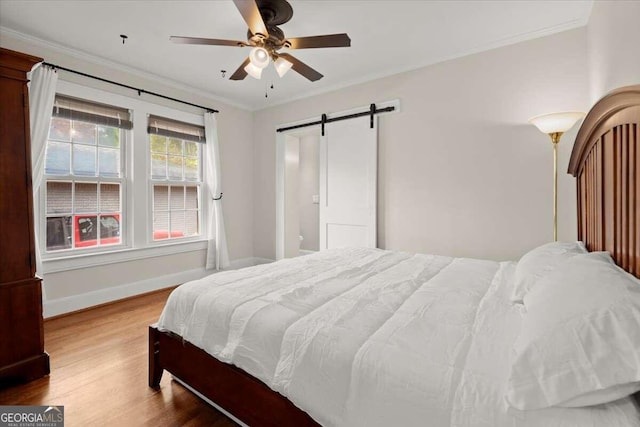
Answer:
(240, 73)
(329, 40)
(198, 40)
(251, 14)
(302, 68)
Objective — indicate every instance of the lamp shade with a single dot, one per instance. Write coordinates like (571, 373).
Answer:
(556, 122)
(282, 66)
(259, 57)
(253, 71)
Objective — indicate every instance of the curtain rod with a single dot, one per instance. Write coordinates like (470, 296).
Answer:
(140, 91)
(372, 110)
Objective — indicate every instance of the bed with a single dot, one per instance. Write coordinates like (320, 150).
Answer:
(372, 337)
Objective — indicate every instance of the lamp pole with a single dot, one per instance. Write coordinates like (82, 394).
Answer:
(554, 125)
(555, 139)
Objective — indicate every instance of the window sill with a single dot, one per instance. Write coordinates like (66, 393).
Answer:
(79, 261)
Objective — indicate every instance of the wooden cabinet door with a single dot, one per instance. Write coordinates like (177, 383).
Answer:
(22, 355)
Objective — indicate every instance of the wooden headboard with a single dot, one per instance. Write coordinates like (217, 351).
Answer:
(606, 162)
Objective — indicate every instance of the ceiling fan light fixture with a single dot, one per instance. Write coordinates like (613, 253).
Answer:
(253, 71)
(266, 38)
(259, 57)
(282, 66)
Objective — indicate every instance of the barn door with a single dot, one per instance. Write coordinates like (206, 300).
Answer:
(348, 184)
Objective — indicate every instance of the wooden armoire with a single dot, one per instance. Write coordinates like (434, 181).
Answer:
(22, 355)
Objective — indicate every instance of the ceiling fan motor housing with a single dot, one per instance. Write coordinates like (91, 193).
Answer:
(275, 12)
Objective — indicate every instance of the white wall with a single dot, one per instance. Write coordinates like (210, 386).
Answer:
(68, 290)
(460, 171)
(309, 172)
(614, 46)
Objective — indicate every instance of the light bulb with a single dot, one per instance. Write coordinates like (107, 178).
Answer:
(259, 57)
(282, 66)
(253, 71)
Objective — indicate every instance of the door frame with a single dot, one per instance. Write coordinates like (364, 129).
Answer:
(280, 160)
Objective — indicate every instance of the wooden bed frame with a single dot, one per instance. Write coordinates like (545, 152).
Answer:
(606, 162)
(239, 393)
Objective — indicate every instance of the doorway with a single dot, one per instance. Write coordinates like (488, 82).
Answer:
(327, 188)
(301, 193)
(343, 163)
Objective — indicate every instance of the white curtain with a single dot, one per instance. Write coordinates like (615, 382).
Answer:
(42, 93)
(217, 252)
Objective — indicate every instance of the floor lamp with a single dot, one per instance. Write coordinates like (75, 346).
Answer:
(554, 125)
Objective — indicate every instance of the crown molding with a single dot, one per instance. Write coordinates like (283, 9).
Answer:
(98, 60)
(526, 36)
(507, 41)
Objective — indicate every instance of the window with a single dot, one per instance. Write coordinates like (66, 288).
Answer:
(176, 177)
(84, 174)
(121, 181)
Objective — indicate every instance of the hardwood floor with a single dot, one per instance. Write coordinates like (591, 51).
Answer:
(99, 372)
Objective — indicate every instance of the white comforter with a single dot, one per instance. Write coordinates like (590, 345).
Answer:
(366, 337)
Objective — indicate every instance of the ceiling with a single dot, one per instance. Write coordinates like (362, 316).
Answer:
(387, 37)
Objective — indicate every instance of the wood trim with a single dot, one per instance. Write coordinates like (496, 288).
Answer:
(14, 65)
(244, 396)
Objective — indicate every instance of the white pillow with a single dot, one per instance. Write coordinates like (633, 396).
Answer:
(580, 338)
(539, 262)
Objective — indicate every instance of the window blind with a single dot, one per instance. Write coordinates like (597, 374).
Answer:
(87, 111)
(175, 129)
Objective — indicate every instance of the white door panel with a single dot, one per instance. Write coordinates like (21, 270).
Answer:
(346, 235)
(348, 184)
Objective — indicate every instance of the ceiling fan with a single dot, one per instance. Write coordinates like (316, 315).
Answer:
(263, 18)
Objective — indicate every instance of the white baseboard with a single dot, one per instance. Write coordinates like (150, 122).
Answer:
(89, 299)
(306, 252)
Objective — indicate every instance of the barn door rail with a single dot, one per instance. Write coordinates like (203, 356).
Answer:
(372, 111)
